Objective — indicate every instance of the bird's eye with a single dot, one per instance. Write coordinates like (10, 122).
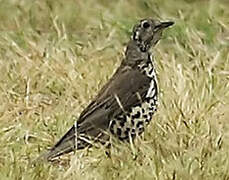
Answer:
(146, 25)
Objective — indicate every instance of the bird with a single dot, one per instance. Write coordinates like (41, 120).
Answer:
(126, 104)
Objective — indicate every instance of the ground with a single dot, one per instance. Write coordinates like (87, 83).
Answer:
(56, 55)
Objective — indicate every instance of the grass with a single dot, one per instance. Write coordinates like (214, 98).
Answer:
(56, 55)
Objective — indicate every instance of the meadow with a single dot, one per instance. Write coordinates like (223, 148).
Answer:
(56, 55)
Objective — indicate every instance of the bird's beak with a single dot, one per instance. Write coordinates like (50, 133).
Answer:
(164, 25)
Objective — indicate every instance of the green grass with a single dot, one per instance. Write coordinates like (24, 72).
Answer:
(56, 55)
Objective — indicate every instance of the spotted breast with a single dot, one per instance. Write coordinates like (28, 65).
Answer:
(132, 123)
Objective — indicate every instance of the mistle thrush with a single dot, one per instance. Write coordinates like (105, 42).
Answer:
(126, 104)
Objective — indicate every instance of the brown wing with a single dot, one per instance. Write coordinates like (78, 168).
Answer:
(124, 86)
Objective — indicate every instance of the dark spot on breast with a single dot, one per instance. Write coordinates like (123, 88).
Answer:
(148, 99)
(126, 132)
(119, 131)
(143, 110)
(152, 108)
(119, 118)
(152, 103)
(132, 122)
(145, 116)
(144, 72)
(139, 124)
(149, 58)
(132, 131)
(122, 123)
(151, 70)
(150, 114)
(137, 115)
(141, 129)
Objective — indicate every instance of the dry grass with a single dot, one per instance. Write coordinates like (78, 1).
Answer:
(56, 55)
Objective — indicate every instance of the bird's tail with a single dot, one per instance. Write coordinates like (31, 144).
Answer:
(68, 143)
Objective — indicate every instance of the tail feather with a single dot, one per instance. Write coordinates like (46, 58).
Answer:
(68, 143)
(65, 145)
(74, 139)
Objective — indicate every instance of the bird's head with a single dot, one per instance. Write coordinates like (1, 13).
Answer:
(148, 32)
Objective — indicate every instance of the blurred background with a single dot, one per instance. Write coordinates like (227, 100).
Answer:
(55, 56)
